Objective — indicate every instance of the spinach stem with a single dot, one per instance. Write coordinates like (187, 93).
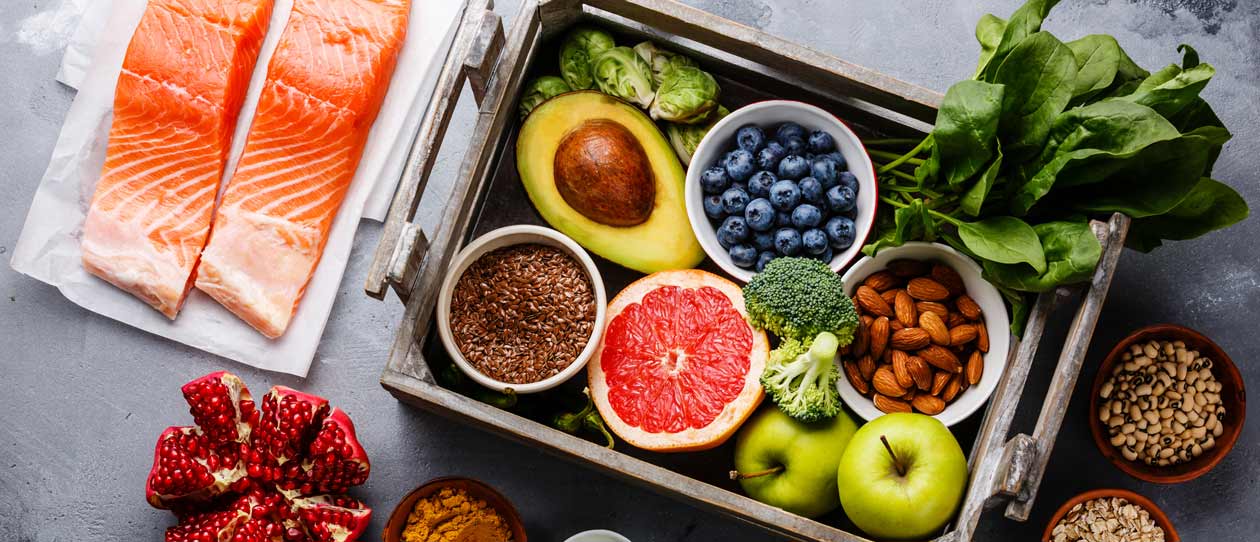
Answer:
(945, 217)
(904, 175)
(893, 156)
(906, 157)
(893, 202)
(891, 142)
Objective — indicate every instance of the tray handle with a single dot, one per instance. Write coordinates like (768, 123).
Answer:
(472, 57)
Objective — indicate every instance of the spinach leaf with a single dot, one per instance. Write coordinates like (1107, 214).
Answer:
(966, 130)
(1190, 57)
(909, 223)
(1021, 306)
(1171, 89)
(1101, 64)
(1024, 22)
(989, 31)
(973, 199)
(1039, 75)
(1198, 115)
(1071, 252)
(1004, 239)
(1210, 206)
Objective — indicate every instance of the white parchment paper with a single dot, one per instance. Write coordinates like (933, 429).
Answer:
(48, 248)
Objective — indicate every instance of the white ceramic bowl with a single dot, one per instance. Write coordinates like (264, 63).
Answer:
(598, 535)
(769, 115)
(504, 237)
(996, 321)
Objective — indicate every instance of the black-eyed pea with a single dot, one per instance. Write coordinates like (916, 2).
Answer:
(1165, 453)
(1128, 453)
(1178, 427)
(1218, 430)
(1169, 349)
(1106, 390)
(1209, 443)
(1181, 371)
(1166, 413)
(1196, 450)
(1154, 428)
(1118, 440)
(1142, 424)
(1181, 417)
(1135, 350)
(1151, 416)
(1150, 349)
(1115, 421)
(1128, 428)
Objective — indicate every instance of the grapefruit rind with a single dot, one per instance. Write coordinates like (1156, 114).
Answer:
(732, 415)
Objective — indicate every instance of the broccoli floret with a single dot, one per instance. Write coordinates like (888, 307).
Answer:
(798, 298)
(801, 378)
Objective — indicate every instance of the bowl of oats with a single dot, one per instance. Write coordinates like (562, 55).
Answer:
(1109, 515)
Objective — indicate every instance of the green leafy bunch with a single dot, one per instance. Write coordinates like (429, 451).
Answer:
(1045, 136)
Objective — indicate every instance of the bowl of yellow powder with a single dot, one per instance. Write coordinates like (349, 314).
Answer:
(454, 510)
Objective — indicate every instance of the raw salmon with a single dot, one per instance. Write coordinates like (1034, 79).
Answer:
(175, 106)
(324, 87)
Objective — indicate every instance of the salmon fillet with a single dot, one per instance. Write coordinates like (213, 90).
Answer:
(181, 87)
(324, 87)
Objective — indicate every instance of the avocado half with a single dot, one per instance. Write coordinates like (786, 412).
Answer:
(600, 171)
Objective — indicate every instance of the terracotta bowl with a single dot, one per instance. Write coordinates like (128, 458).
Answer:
(398, 519)
(1233, 397)
(1170, 534)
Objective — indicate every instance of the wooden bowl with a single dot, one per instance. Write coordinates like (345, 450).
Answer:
(479, 490)
(1170, 534)
(1233, 397)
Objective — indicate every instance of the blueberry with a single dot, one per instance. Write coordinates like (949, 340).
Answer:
(806, 216)
(739, 164)
(848, 180)
(769, 157)
(814, 241)
(759, 214)
(734, 200)
(789, 130)
(840, 161)
(840, 199)
(794, 145)
(750, 138)
(714, 180)
(821, 142)
(785, 195)
(764, 258)
(787, 242)
(825, 256)
(759, 184)
(713, 207)
(824, 169)
(783, 219)
(763, 240)
(741, 186)
(840, 232)
(743, 255)
(732, 232)
(811, 190)
(793, 167)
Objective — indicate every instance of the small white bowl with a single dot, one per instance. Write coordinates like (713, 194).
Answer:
(598, 535)
(504, 237)
(769, 115)
(996, 321)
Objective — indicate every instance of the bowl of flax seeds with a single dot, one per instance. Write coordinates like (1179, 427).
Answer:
(521, 309)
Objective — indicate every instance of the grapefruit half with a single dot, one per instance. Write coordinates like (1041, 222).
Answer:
(678, 368)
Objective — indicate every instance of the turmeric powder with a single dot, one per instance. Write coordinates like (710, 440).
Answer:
(452, 515)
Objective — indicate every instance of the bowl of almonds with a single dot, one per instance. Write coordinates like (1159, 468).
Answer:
(1167, 404)
(933, 336)
(1109, 515)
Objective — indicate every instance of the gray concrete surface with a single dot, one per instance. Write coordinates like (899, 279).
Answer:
(83, 397)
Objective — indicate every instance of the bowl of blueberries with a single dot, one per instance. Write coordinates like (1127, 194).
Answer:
(780, 178)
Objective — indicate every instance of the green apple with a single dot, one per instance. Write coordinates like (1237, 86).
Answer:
(902, 477)
(790, 464)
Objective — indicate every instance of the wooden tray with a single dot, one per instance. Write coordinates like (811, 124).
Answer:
(488, 194)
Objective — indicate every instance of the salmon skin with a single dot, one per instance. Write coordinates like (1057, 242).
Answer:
(182, 83)
(324, 87)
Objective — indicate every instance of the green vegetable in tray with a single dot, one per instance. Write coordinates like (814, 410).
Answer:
(662, 62)
(622, 73)
(686, 137)
(1047, 135)
(540, 90)
(578, 52)
(798, 298)
(800, 378)
(687, 96)
(587, 418)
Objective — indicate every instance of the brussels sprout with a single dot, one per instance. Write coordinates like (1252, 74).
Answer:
(686, 137)
(623, 73)
(540, 90)
(661, 61)
(578, 53)
(686, 96)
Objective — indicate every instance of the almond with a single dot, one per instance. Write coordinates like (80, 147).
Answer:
(941, 358)
(881, 280)
(975, 368)
(939, 381)
(885, 382)
(861, 340)
(890, 296)
(968, 307)
(962, 335)
(982, 337)
(855, 378)
(866, 366)
(928, 404)
(869, 300)
(911, 338)
(931, 306)
(903, 307)
(889, 405)
(920, 372)
(908, 268)
(896, 325)
(925, 289)
(952, 389)
(935, 328)
(909, 396)
(963, 384)
(901, 369)
(879, 336)
(947, 277)
(866, 318)
(955, 320)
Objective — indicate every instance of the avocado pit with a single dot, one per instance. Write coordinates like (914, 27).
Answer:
(602, 172)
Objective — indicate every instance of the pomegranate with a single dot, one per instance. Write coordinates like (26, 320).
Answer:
(267, 473)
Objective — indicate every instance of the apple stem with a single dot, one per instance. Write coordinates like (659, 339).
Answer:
(736, 475)
(901, 469)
